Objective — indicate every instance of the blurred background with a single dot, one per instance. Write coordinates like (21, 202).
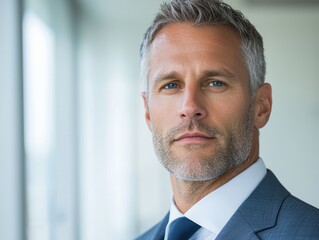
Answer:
(76, 157)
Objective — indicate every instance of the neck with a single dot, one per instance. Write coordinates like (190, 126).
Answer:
(188, 193)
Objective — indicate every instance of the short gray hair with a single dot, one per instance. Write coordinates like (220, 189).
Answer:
(209, 12)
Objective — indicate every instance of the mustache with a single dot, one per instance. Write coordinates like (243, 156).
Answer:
(192, 125)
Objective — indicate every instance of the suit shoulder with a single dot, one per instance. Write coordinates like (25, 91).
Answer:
(300, 217)
(295, 208)
(295, 220)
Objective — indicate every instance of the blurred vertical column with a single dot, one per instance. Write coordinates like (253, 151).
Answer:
(12, 197)
(50, 120)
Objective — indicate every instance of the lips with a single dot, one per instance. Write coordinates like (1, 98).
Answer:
(193, 137)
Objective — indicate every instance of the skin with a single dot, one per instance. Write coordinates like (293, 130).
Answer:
(196, 72)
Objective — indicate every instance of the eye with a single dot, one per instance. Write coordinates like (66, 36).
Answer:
(170, 86)
(216, 84)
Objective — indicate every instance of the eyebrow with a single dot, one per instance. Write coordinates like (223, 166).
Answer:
(166, 76)
(217, 73)
(204, 75)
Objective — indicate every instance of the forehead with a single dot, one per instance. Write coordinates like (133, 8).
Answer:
(207, 46)
(184, 32)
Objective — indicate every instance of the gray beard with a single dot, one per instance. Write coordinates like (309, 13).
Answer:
(230, 151)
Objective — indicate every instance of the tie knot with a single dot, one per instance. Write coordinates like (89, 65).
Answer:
(182, 229)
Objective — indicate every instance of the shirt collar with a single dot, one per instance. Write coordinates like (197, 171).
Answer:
(214, 210)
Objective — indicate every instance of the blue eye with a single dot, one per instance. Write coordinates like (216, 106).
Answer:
(170, 86)
(216, 84)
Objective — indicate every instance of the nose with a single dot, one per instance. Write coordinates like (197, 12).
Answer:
(193, 106)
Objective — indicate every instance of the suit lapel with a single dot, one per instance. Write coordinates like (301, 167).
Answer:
(237, 228)
(159, 230)
(258, 212)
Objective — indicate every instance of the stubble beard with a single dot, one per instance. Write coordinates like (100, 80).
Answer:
(229, 151)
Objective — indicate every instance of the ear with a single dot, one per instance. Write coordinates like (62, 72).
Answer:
(262, 105)
(147, 112)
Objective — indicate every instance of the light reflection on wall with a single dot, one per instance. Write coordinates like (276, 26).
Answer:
(39, 121)
(107, 152)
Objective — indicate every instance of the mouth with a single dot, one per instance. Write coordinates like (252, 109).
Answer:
(193, 137)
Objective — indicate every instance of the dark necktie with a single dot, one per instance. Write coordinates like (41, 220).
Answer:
(182, 229)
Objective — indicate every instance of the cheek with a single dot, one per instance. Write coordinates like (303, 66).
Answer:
(162, 113)
(229, 114)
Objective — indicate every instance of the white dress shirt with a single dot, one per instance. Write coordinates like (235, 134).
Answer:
(214, 210)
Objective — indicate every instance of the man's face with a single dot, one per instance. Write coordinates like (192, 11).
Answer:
(198, 106)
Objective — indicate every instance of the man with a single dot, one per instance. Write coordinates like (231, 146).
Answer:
(205, 102)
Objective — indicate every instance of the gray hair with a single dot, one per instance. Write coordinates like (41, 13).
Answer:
(209, 12)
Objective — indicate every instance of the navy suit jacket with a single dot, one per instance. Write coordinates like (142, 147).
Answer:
(270, 212)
